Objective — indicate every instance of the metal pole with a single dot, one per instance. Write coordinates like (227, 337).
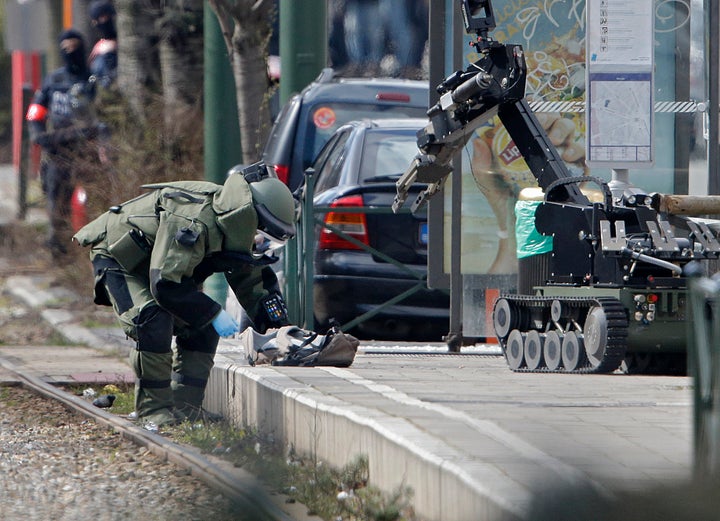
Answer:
(221, 127)
(308, 242)
(713, 8)
(67, 14)
(437, 278)
(455, 335)
(303, 43)
(25, 164)
(303, 54)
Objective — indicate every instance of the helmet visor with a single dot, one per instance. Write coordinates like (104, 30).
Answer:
(272, 226)
(266, 243)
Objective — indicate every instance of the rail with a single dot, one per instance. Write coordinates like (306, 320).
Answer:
(237, 485)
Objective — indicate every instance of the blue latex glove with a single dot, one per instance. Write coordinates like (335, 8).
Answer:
(225, 324)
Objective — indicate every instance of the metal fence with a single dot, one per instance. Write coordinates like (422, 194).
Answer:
(299, 261)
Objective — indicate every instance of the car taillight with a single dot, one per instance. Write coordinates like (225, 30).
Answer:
(283, 172)
(351, 223)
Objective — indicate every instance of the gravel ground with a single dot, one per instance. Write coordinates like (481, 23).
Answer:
(56, 464)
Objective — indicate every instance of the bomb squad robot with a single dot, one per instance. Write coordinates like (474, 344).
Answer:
(612, 293)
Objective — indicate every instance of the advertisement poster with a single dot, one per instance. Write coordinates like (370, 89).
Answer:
(494, 173)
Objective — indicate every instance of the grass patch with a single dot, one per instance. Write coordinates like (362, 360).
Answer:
(331, 494)
(241, 447)
(124, 393)
(8, 397)
(328, 493)
(57, 339)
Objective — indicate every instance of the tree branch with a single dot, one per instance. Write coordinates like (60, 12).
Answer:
(259, 5)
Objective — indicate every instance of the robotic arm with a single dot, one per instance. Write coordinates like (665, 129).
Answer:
(493, 85)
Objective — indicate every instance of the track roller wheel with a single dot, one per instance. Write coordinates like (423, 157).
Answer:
(595, 335)
(533, 350)
(557, 310)
(505, 317)
(514, 350)
(552, 350)
(573, 352)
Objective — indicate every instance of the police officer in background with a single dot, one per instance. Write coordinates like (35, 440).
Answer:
(103, 57)
(150, 256)
(61, 120)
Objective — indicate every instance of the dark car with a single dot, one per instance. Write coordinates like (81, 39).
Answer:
(309, 118)
(358, 168)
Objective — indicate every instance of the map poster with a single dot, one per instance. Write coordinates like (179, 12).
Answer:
(620, 119)
(619, 96)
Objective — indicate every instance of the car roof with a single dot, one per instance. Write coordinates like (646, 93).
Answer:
(337, 88)
(384, 123)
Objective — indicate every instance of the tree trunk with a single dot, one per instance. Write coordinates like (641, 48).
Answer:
(246, 27)
(138, 60)
(251, 86)
(181, 62)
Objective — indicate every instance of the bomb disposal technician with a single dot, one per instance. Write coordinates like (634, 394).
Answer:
(150, 256)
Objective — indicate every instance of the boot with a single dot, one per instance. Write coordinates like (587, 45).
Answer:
(153, 393)
(191, 371)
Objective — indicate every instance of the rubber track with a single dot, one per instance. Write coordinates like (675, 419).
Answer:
(617, 330)
(236, 484)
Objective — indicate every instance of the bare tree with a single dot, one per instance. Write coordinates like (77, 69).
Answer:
(160, 55)
(246, 27)
(180, 28)
(138, 59)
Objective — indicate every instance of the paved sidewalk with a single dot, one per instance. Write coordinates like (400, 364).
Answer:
(473, 439)
(66, 365)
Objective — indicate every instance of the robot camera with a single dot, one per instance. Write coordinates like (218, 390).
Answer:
(478, 16)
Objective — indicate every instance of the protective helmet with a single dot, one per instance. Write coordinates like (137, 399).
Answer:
(275, 207)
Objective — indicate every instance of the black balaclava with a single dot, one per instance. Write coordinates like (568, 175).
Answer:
(105, 29)
(75, 60)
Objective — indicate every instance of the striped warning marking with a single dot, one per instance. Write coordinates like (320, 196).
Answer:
(675, 107)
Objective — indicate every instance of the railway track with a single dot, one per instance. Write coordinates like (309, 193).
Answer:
(236, 484)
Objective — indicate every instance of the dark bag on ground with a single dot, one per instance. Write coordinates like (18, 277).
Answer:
(293, 346)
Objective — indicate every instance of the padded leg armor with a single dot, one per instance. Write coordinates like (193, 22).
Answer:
(193, 359)
(152, 362)
(152, 329)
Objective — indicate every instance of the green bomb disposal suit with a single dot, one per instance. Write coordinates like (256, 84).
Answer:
(150, 256)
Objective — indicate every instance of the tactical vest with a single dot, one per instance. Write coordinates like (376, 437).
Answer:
(128, 232)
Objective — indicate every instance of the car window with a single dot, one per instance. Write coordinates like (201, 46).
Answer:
(279, 144)
(387, 152)
(328, 117)
(329, 162)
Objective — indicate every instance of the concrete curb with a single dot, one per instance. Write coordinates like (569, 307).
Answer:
(331, 430)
